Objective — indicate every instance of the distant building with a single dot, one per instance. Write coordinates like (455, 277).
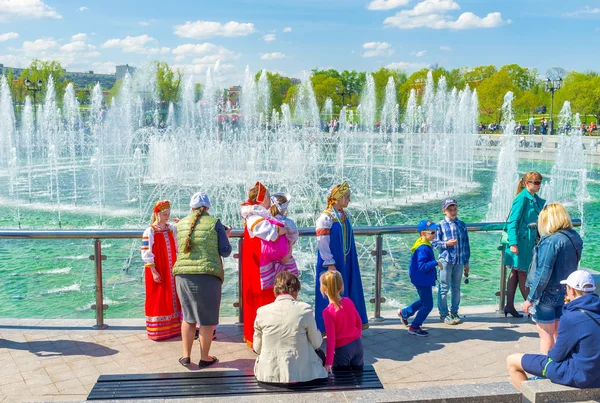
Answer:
(295, 81)
(79, 80)
(124, 69)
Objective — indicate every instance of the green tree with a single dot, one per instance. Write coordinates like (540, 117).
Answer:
(381, 78)
(475, 76)
(278, 87)
(522, 77)
(42, 70)
(491, 93)
(324, 86)
(168, 82)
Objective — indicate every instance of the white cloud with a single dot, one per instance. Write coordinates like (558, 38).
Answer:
(375, 49)
(104, 67)
(207, 29)
(146, 23)
(273, 56)
(77, 46)
(156, 51)
(434, 14)
(446, 48)
(420, 53)
(82, 9)
(79, 37)
(130, 44)
(287, 29)
(39, 45)
(587, 10)
(407, 66)
(26, 9)
(206, 53)
(269, 37)
(8, 35)
(387, 4)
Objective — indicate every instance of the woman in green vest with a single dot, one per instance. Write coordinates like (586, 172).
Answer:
(198, 272)
(518, 252)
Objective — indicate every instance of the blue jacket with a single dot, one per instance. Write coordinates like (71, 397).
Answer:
(554, 258)
(423, 265)
(524, 211)
(576, 355)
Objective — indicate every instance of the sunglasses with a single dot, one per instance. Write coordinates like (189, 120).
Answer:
(537, 183)
(430, 232)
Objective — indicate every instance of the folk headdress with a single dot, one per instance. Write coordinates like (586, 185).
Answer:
(260, 197)
(161, 205)
(281, 207)
(337, 192)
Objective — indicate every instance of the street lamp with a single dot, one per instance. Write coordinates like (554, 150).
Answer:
(35, 88)
(343, 93)
(553, 85)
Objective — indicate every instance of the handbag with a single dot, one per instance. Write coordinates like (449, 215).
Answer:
(321, 355)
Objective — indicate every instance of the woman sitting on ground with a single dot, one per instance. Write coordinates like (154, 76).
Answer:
(286, 336)
(575, 358)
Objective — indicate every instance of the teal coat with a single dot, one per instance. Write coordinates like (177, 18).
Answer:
(524, 211)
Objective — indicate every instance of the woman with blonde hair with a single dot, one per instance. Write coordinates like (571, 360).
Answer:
(203, 241)
(159, 253)
(555, 257)
(337, 251)
(518, 253)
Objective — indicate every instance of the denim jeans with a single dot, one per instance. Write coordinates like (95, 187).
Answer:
(450, 279)
(423, 306)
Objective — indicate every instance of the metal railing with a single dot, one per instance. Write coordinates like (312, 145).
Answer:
(379, 252)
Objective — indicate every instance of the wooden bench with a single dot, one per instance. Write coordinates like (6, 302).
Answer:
(221, 383)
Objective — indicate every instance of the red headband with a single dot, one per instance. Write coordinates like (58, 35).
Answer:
(161, 206)
(262, 193)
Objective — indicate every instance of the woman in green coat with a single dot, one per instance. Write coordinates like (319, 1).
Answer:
(518, 253)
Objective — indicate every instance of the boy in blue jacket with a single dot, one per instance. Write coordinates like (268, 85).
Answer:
(423, 274)
(575, 358)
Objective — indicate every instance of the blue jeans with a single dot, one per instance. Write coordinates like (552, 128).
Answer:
(450, 279)
(349, 355)
(423, 306)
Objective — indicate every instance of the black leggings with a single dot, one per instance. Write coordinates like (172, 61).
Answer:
(517, 277)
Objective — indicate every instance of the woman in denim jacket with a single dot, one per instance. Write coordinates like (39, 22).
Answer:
(554, 258)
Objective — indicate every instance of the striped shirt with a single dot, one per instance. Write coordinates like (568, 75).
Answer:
(453, 229)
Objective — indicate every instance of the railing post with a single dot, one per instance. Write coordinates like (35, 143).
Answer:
(99, 305)
(502, 295)
(378, 253)
(239, 304)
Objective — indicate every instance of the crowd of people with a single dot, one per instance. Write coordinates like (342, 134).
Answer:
(184, 277)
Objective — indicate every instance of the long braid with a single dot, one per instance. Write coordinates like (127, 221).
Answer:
(188, 242)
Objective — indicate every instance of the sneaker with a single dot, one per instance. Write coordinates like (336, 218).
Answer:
(418, 332)
(456, 318)
(448, 320)
(403, 318)
(443, 318)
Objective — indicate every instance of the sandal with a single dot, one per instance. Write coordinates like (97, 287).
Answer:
(185, 361)
(204, 364)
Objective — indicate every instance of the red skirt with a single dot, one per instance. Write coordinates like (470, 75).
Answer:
(253, 297)
(163, 310)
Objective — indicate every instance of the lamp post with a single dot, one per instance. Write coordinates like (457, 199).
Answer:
(553, 85)
(34, 88)
(343, 93)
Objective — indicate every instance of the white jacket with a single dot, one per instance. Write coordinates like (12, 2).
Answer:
(285, 338)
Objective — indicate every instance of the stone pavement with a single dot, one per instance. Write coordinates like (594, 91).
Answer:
(60, 360)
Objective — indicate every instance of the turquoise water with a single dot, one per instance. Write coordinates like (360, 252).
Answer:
(55, 278)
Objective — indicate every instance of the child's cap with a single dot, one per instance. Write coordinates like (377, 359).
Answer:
(580, 280)
(448, 202)
(426, 225)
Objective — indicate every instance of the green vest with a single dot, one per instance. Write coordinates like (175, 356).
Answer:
(204, 257)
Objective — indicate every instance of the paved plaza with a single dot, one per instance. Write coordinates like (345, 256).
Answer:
(60, 360)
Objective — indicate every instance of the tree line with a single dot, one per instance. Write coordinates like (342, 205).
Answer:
(582, 89)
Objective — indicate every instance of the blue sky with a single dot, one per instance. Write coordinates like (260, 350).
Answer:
(289, 36)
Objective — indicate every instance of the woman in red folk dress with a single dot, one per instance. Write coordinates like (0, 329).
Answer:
(159, 252)
(257, 228)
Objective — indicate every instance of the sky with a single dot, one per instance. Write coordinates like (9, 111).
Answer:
(291, 36)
